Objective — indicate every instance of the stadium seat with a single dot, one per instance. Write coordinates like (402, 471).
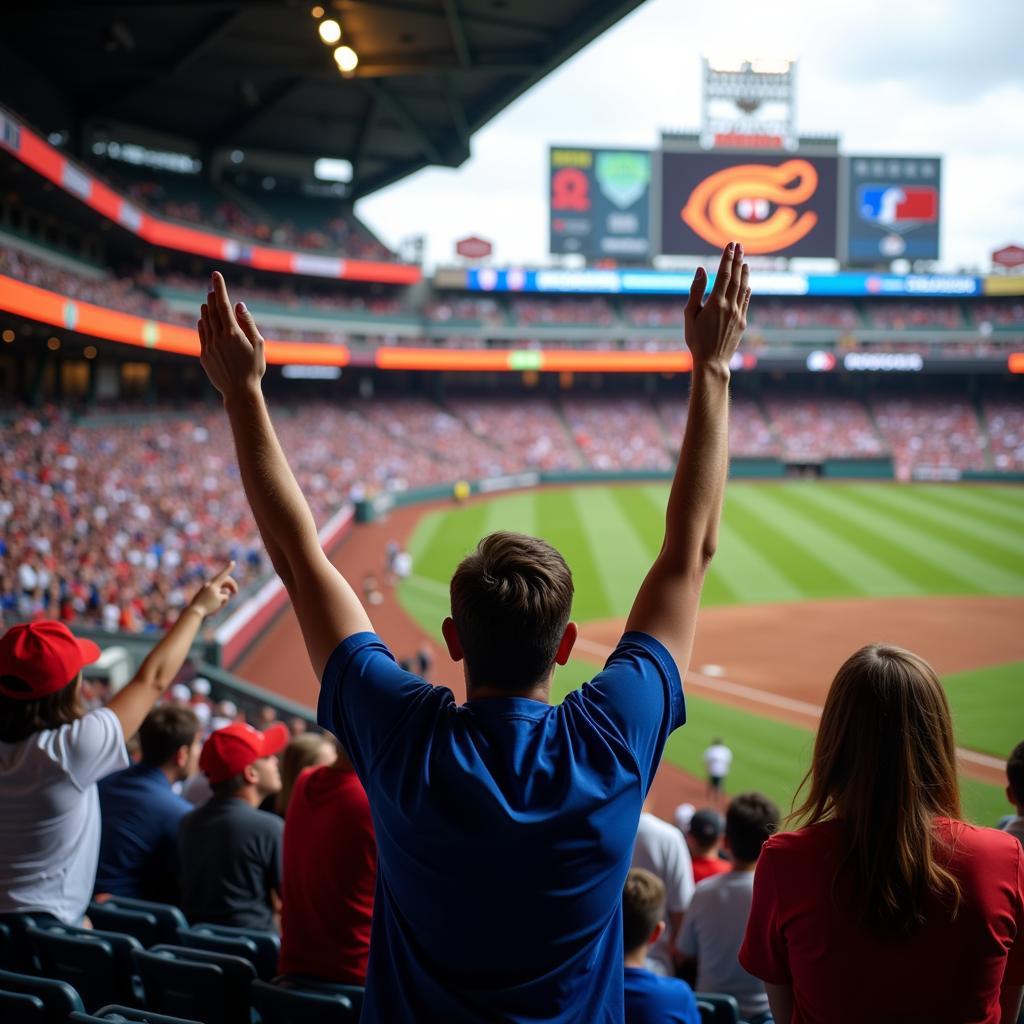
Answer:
(169, 919)
(87, 963)
(277, 1004)
(111, 918)
(261, 948)
(307, 983)
(717, 1009)
(15, 951)
(100, 975)
(213, 987)
(28, 1000)
(126, 1015)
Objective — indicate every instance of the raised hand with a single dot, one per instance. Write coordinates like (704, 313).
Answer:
(212, 596)
(714, 328)
(230, 345)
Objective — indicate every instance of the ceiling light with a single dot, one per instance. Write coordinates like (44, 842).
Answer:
(347, 59)
(330, 31)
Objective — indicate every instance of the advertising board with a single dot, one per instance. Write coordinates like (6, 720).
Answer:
(600, 202)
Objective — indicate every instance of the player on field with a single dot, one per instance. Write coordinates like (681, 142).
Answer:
(505, 826)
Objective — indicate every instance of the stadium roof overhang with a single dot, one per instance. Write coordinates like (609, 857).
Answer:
(254, 74)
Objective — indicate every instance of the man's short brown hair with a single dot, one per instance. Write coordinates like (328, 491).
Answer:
(511, 601)
(643, 906)
(749, 821)
(165, 730)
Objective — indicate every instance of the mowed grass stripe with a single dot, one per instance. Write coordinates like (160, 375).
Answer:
(1007, 497)
(978, 504)
(771, 531)
(620, 554)
(725, 564)
(957, 548)
(1002, 548)
(892, 541)
(865, 572)
(452, 540)
(558, 522)
(515, 512)
(982, 702)
(423, 536)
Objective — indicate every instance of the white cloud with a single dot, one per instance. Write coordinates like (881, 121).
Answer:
(906, 76)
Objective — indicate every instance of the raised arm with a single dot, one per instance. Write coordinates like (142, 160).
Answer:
(232, 356)
(135, 700)
(666, 605)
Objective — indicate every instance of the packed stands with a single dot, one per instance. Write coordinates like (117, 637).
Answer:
(931, 435)
(911, 316)
(627, 436)
(750, 433)
(554, 312)
(811, 430)
(788, 315)
(1005, 423)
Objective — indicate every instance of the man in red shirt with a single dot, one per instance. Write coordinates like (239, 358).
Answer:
(330, 871)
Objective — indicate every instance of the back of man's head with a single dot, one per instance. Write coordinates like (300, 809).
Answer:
(511, 601)
(749, 821)
(164, 731)
(643, 907)
(1015, 775)
(705, 830)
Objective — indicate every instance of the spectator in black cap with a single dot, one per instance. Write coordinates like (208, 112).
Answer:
(704, 838)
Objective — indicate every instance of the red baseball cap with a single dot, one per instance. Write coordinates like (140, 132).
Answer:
(46, 655)
(236, 746)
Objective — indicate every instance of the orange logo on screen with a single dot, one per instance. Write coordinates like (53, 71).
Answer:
(711, 210)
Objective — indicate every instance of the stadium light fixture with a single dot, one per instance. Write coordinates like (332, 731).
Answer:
(726, 62)
(89, 352)
(770, 65)
(331, 169)
(317, 12)
(330, 31)
(8, 336)
(53, 344)
(347, 59)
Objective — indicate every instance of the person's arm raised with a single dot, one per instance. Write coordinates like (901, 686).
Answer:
(666, 605)
(232, 355)
(135, 700)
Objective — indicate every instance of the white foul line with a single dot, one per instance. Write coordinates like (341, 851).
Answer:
(777, 701)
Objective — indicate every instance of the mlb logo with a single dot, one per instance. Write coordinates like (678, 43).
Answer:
(898, 207)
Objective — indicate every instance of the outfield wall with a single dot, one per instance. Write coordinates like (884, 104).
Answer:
(739, 468)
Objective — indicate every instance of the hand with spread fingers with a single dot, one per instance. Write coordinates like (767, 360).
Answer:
(714, 328)
(230, 344)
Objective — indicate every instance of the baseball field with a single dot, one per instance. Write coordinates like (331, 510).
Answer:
(805, 573)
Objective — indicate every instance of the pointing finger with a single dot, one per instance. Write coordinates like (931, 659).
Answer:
(223, 574)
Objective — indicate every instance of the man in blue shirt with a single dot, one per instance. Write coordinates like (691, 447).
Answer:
(650, 998)
(141, 812)
(504, 826)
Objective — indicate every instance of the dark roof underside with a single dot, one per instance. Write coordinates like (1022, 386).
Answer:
(254, 73)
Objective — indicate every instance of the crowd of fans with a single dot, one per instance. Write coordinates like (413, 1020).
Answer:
(96, 525)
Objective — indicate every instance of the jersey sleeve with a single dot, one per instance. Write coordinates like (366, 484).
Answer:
(365, 697)
(1014, 973)
(639, 697)
(91, 748)
(764, 953)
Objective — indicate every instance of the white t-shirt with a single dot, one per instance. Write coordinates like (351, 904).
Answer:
(50, 814)
(661, 849)
(718, 760)
(713, 932)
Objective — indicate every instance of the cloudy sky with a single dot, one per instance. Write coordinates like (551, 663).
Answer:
(888, 76)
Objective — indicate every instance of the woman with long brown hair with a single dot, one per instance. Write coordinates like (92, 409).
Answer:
(885, 906)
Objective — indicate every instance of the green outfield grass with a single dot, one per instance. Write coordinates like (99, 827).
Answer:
(779, 542)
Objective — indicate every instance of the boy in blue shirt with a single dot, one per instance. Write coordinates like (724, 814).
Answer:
(650, 999)
(504, 826)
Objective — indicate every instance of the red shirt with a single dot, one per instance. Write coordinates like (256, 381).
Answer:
(330, 870)
(707, 867)
(949, 972)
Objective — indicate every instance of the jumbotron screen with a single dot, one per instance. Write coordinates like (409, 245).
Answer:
(780, 205)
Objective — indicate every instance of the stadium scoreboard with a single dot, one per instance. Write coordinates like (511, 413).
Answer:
(682, 200)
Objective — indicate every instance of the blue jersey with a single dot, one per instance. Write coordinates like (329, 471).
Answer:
(505, 830)
(654, 1000)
